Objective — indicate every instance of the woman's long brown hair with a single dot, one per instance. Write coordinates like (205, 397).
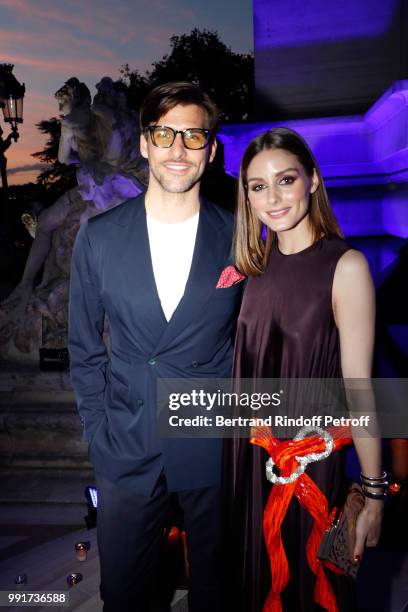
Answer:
(251, 252)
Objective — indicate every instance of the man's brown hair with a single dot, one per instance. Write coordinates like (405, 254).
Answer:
(165, 97)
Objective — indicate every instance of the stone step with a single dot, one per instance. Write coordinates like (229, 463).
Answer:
(43, 514)
(42, 439)
(43, 461)
(44, 486)
(39, 422)
(24, 377)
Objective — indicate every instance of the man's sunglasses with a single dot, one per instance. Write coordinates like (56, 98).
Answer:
(193, 138)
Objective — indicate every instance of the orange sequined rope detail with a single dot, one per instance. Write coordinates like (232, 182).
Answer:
(310, 497)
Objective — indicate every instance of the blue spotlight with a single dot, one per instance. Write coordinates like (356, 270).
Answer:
(91, 495)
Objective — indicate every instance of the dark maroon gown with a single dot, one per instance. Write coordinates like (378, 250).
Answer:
(286, 329)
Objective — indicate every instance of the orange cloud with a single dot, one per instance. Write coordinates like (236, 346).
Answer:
(66, 66)
(49, 11)
(56, 40)
(90, 18)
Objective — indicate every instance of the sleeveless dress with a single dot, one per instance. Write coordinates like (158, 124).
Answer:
(285, 329)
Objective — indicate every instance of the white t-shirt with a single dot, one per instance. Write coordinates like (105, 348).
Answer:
(171, 249)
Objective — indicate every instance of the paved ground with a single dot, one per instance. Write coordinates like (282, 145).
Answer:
(47, 566)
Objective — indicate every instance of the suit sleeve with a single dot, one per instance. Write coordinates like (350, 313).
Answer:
(89, 358)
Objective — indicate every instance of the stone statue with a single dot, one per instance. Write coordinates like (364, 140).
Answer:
(30, 222)
(102, 140)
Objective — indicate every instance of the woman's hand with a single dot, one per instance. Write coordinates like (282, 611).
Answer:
(368, 527)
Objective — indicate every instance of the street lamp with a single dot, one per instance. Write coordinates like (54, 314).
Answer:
(11, 103)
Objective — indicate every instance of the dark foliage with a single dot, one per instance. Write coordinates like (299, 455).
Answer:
(201, 58)
(57, 178)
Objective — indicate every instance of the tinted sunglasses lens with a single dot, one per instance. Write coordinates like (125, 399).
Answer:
(162, 136)
(195, 139)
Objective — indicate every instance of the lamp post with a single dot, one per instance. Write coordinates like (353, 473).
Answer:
(11, 103)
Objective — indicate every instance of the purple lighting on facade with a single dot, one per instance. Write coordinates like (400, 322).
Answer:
(368, 149)
(364, 161)
(281, 28)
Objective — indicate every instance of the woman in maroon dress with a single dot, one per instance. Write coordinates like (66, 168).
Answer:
(307, 312)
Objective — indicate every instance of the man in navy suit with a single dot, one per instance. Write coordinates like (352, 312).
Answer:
(151, 265)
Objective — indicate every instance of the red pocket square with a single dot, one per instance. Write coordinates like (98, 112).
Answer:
(229, 277)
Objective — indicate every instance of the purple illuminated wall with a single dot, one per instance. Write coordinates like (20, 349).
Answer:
(322, 67)
(364, 161)
(324, 57)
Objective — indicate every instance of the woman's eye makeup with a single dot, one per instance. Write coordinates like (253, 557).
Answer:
(287, 180)
(257, 186)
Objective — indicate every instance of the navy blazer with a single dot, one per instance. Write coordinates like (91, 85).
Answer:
(112, 274)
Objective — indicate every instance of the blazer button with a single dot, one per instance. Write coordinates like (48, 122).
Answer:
(152, 362)
(140, 402)
(195, 364)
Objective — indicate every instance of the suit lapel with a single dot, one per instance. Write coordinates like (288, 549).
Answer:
(209, 255)
(138, 277)
(133, 264)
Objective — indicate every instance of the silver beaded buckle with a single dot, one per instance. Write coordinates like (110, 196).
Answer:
(303, 461)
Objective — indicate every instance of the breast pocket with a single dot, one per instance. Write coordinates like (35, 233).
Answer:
(229, 294)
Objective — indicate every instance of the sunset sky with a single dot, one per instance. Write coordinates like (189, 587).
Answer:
(48, 41)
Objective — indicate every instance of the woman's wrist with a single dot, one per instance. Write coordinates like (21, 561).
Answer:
(374, 487)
